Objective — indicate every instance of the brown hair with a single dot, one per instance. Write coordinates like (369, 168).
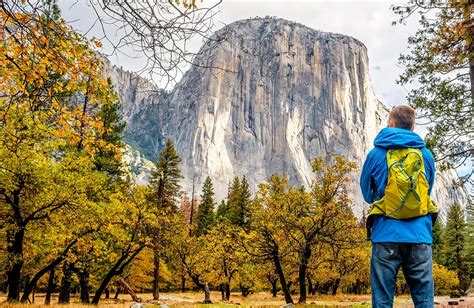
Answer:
(404, 117)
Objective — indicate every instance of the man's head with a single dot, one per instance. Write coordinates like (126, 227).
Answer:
(402, 116)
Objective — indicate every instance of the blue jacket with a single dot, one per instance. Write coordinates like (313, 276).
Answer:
(373, 181)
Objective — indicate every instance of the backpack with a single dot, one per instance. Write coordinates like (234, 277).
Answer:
(406, 194)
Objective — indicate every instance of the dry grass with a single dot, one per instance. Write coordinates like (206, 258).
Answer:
(260, 300)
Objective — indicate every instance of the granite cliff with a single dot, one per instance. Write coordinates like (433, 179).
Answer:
(269, 98)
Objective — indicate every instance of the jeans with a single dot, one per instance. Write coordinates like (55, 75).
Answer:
(417, 264)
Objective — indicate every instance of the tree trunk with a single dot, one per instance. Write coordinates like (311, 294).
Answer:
(310, 286)
(129, 290)
(316, 287)
(65, 289)
(207, 294)
(303, 268)
(183, 283)
(325, 287)
(244, 290)
(117, 293)
(107, 293)
(105, 281)
(117, 269)
(335, 286)
(156, 270)
(32, 283)
(227, 292)
(471, 73)
(84, 109)
(222, 292)
(50, 287)
(281, 275)
(202, 286)
(273, 282)
(84, 283)
(15, 254)
(156, 248)
(192, 211)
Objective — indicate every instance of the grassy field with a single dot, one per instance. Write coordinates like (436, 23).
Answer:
(261, 300)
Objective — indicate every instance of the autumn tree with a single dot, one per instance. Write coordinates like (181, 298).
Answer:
(327, 216)
(225, 257)
(129, 220)
(288, 222)
(344, 263)
(446, 281)
(358, 281)
(159, 30)
(205, 213)
(187, 251)
(60, 155)
(265, 272)
(188, 209)
(106, 160)
(440, 63)
(267, 241)
(46, 74)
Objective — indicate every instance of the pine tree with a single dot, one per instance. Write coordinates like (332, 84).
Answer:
(454, 245)
(233, 201)
(469, 251)
(244, 204)
(222, 211)
(165, 189)
(438, 241)
(205, 214)
(239, 197)
(164, 181)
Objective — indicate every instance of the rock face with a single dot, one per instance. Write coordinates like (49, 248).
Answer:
(271, 97)
(141, 102)
(137, 167)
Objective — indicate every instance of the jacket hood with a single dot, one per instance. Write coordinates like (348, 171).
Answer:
(398, 138)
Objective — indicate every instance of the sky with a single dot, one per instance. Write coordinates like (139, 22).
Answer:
(367, 21)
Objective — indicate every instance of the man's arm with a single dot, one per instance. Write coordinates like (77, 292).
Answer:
(430, 168)
(366, 181)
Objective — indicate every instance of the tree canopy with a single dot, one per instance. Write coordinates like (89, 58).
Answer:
(439, 67)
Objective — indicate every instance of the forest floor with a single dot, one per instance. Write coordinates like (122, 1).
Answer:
(260, 300)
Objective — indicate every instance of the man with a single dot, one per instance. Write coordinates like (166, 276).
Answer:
(401, 217)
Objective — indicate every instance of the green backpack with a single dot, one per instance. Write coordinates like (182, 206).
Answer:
(406, 195)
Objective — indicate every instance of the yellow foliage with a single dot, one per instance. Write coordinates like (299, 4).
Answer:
(52, 88)
(446, 281)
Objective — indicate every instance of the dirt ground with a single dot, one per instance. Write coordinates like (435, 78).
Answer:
(261, 300)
